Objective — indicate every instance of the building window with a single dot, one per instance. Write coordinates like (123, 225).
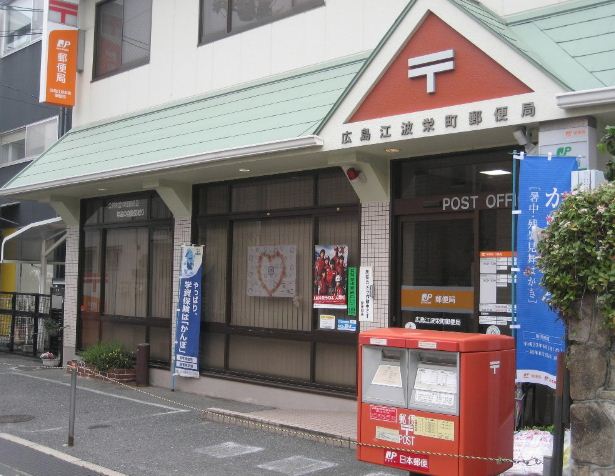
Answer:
(28, 142)
(126, 276)
(275, 338)
(123, 35)
(216, 22)
(21, 23)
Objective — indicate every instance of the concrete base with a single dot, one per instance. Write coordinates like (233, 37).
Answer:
(251, 393)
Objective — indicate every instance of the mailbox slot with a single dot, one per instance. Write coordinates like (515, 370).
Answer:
(433, 381)
(385, 375)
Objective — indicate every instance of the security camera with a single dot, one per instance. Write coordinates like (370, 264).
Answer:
(520, 135)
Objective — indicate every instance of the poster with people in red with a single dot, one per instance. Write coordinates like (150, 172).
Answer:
(330, 276)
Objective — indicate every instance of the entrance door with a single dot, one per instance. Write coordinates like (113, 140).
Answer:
(436, 272)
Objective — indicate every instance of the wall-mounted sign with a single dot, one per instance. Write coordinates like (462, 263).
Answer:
(429, 65)
(125, 210)
(366, 294)
(447, 299)
(330, 276)
(59, 53)
(272, 271)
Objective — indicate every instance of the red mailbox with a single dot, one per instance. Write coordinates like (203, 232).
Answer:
(429, 398)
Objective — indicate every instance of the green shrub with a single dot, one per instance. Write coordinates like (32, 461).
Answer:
(108, 355)
(577, 252)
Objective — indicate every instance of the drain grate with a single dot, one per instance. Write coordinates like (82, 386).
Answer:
(15, 418)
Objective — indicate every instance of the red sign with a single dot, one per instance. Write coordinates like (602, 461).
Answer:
(379, 413)
(407, 461)
(436, 68)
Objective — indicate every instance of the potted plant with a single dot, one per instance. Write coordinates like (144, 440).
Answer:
(49, 359)
(106, 360)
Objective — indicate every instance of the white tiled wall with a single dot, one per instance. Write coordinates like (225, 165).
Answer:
(181, 236)
(375, 226)
(70, 292)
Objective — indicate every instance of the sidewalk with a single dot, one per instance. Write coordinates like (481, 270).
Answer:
(336, 429)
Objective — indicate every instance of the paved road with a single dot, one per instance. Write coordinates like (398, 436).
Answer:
(133, 433)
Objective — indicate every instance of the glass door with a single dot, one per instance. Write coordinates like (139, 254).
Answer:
(437, 272)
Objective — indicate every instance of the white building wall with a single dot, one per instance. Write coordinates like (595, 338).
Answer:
(70, 293)
(375, 252)
(178, 68)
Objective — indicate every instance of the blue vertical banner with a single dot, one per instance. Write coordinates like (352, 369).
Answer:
(188, 316)
(543, 184)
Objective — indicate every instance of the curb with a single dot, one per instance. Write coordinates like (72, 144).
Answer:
(221, 415)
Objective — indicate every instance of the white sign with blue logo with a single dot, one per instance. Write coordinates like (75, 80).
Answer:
(188, 317)
(543, 184)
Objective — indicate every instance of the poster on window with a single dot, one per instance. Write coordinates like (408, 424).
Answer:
(330, 276)
(188, 317)
(272, 271)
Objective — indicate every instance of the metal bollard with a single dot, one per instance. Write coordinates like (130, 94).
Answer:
(142, 369)
(73, 398)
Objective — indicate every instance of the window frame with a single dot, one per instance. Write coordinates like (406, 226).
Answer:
(100, 227)
(229, 26)
(33, 27)
(314, 336)
(26, 129)
(124, 66)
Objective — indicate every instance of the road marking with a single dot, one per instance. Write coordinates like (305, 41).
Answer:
(379, 473)
(227, 450)
(44, 430)
(297, 465)
(61, 456)
(100, 392)
(16, 471)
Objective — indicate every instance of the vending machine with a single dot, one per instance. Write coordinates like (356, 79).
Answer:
(439, 403)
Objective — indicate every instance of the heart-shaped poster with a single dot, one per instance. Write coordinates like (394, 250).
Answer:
(272, 271)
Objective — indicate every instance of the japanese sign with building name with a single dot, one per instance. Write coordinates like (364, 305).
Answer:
(543, 184)
(188, 316)
(330, 276)
(272, 271)
(59, 53)
(366, 294)
(448, 299)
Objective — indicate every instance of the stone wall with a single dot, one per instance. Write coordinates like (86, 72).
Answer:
(591, 362)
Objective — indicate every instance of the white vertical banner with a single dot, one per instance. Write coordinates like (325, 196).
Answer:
(366, 294)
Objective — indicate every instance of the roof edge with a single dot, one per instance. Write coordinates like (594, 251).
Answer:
(551, 10)
(586, 98)
(366, 64)
(302, 142)
(285, 76)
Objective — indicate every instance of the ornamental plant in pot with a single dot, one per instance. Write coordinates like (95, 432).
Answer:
(106, 356)
(49, 359)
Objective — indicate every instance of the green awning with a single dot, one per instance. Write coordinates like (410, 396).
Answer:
(212, 127)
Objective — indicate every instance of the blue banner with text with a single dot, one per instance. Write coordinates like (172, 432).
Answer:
(543, 184)
(188, 316)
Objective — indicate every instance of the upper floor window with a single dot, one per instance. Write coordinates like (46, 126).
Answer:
(28, 142)
(217, 22)
(123, 34)
(21, 23)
